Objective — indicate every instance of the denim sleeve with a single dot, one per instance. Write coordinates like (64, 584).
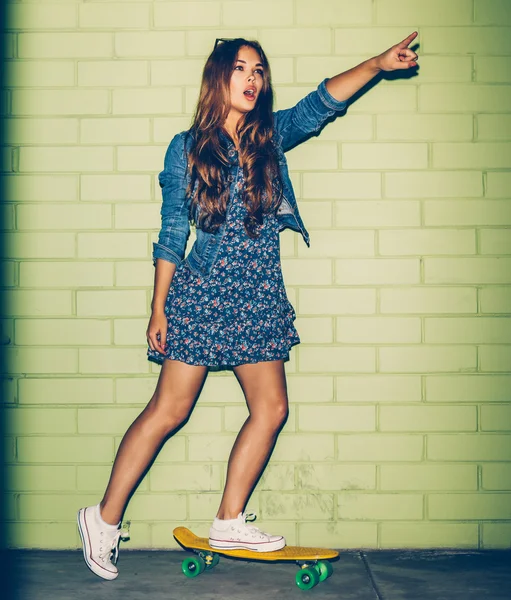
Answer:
(307, 117)
(175, 227)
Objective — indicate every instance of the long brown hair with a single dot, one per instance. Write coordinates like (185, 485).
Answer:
(208, 159)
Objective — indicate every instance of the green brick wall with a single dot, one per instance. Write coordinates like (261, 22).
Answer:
(400, 425)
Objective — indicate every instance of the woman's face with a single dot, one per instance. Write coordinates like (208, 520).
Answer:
(246, 80)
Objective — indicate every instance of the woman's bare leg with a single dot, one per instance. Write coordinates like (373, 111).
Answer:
(264, 386)
(172, 401)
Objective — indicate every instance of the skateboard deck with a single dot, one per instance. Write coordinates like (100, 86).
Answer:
(313, 561)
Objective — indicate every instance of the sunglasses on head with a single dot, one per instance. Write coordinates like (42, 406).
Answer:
(222, 40)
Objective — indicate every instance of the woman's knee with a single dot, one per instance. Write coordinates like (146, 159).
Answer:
(168, 414)
(274, 414)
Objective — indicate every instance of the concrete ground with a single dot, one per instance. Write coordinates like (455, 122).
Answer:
(368, 575)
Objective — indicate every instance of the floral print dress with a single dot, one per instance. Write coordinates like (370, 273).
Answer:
(239, 313)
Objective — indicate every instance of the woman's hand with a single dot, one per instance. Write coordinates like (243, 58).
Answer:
(399, 56)
(157, 332)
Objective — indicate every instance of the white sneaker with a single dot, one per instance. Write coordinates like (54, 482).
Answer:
(100, 540)
(235, 534)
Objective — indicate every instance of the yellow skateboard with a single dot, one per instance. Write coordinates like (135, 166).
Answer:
(313, 562)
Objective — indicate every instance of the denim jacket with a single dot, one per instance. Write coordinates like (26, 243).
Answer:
(291, 127)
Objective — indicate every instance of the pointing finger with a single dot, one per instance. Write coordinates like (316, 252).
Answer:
(407, 41)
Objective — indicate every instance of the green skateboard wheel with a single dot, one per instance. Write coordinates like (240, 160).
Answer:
(193, 566)
(307, 578)
(325, 569)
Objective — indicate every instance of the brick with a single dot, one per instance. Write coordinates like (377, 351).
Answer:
(313, 156)
(428, 477)
(492, 69)
(336, 418)
(367, 41)
(236, 415)
(309, 272)
(428, 300)
(315, 330)
(467, 270)
(304, 447)
(203, 504)
(40, 131)
(336, 535)
(112, 245)
(155, 507)
(114, 360)
(295, 41)
(319, 214)
(332, 359)
(277, 477)
(496, 535)
(138, 216)
(480, 155)
(378, 388)
(112, 15)
(378, 330)
(221, 389)
(41, 187)
(173, 452)
(112, 73)
(42, 360)
(6, 160)
(135, 390)
(495, 358)
(200, 42)
(496, 418)
(350, 127)
(140, 158)
(436, 12)
(95, 478)
(441, 184)
(495, 300)
(336, 477)
(492, 12)
(493, 127)
(27, 421)
(282, 70)
(63, 216)
(496, 477)
(31, 302)
(105, 420)
(205, 419)
(297, 506)
(429, 535)
(8, 273)
(416, 359)
(39, 73)
(8, 386)
(377, 271)
(498, 185)
(468, 331)
(50, 506)
(130, 332)
(469, 506)
(185, 477)
(424, 127)
(312, 69)
(193, 14)
(467, 212)
(131, 273)
(65, 391)
(426, 241)
(387, 99)
(46, 16)
(451, 69)
(336, 301)
(62, 449)
(333, 13)
(85, 158)
(495, 241)
(165, 128)
(468, 388)
(384, 156)
(381, 507)
(39, 245)
(40, 478)
(64, 45)
(146, 101)
(176, 72)
(65, 274)
(341, 185)
(150, 44)
(463, 40)
(62, 332)
(386, 213)
(203, 448)
(428, 418)
(463, 97)
(469, 447)
(115, 188)
(376, 447)
(56, 536)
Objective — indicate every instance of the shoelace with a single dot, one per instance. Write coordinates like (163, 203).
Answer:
(113, 546)
(252, 528)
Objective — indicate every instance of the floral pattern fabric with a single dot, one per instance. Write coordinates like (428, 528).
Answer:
(240, 312)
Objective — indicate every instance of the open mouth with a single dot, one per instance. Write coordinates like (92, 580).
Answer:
(250, 94)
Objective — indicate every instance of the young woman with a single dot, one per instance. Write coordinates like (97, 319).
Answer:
(224, 305)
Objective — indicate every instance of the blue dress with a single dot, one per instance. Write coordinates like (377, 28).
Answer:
(238, 314)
